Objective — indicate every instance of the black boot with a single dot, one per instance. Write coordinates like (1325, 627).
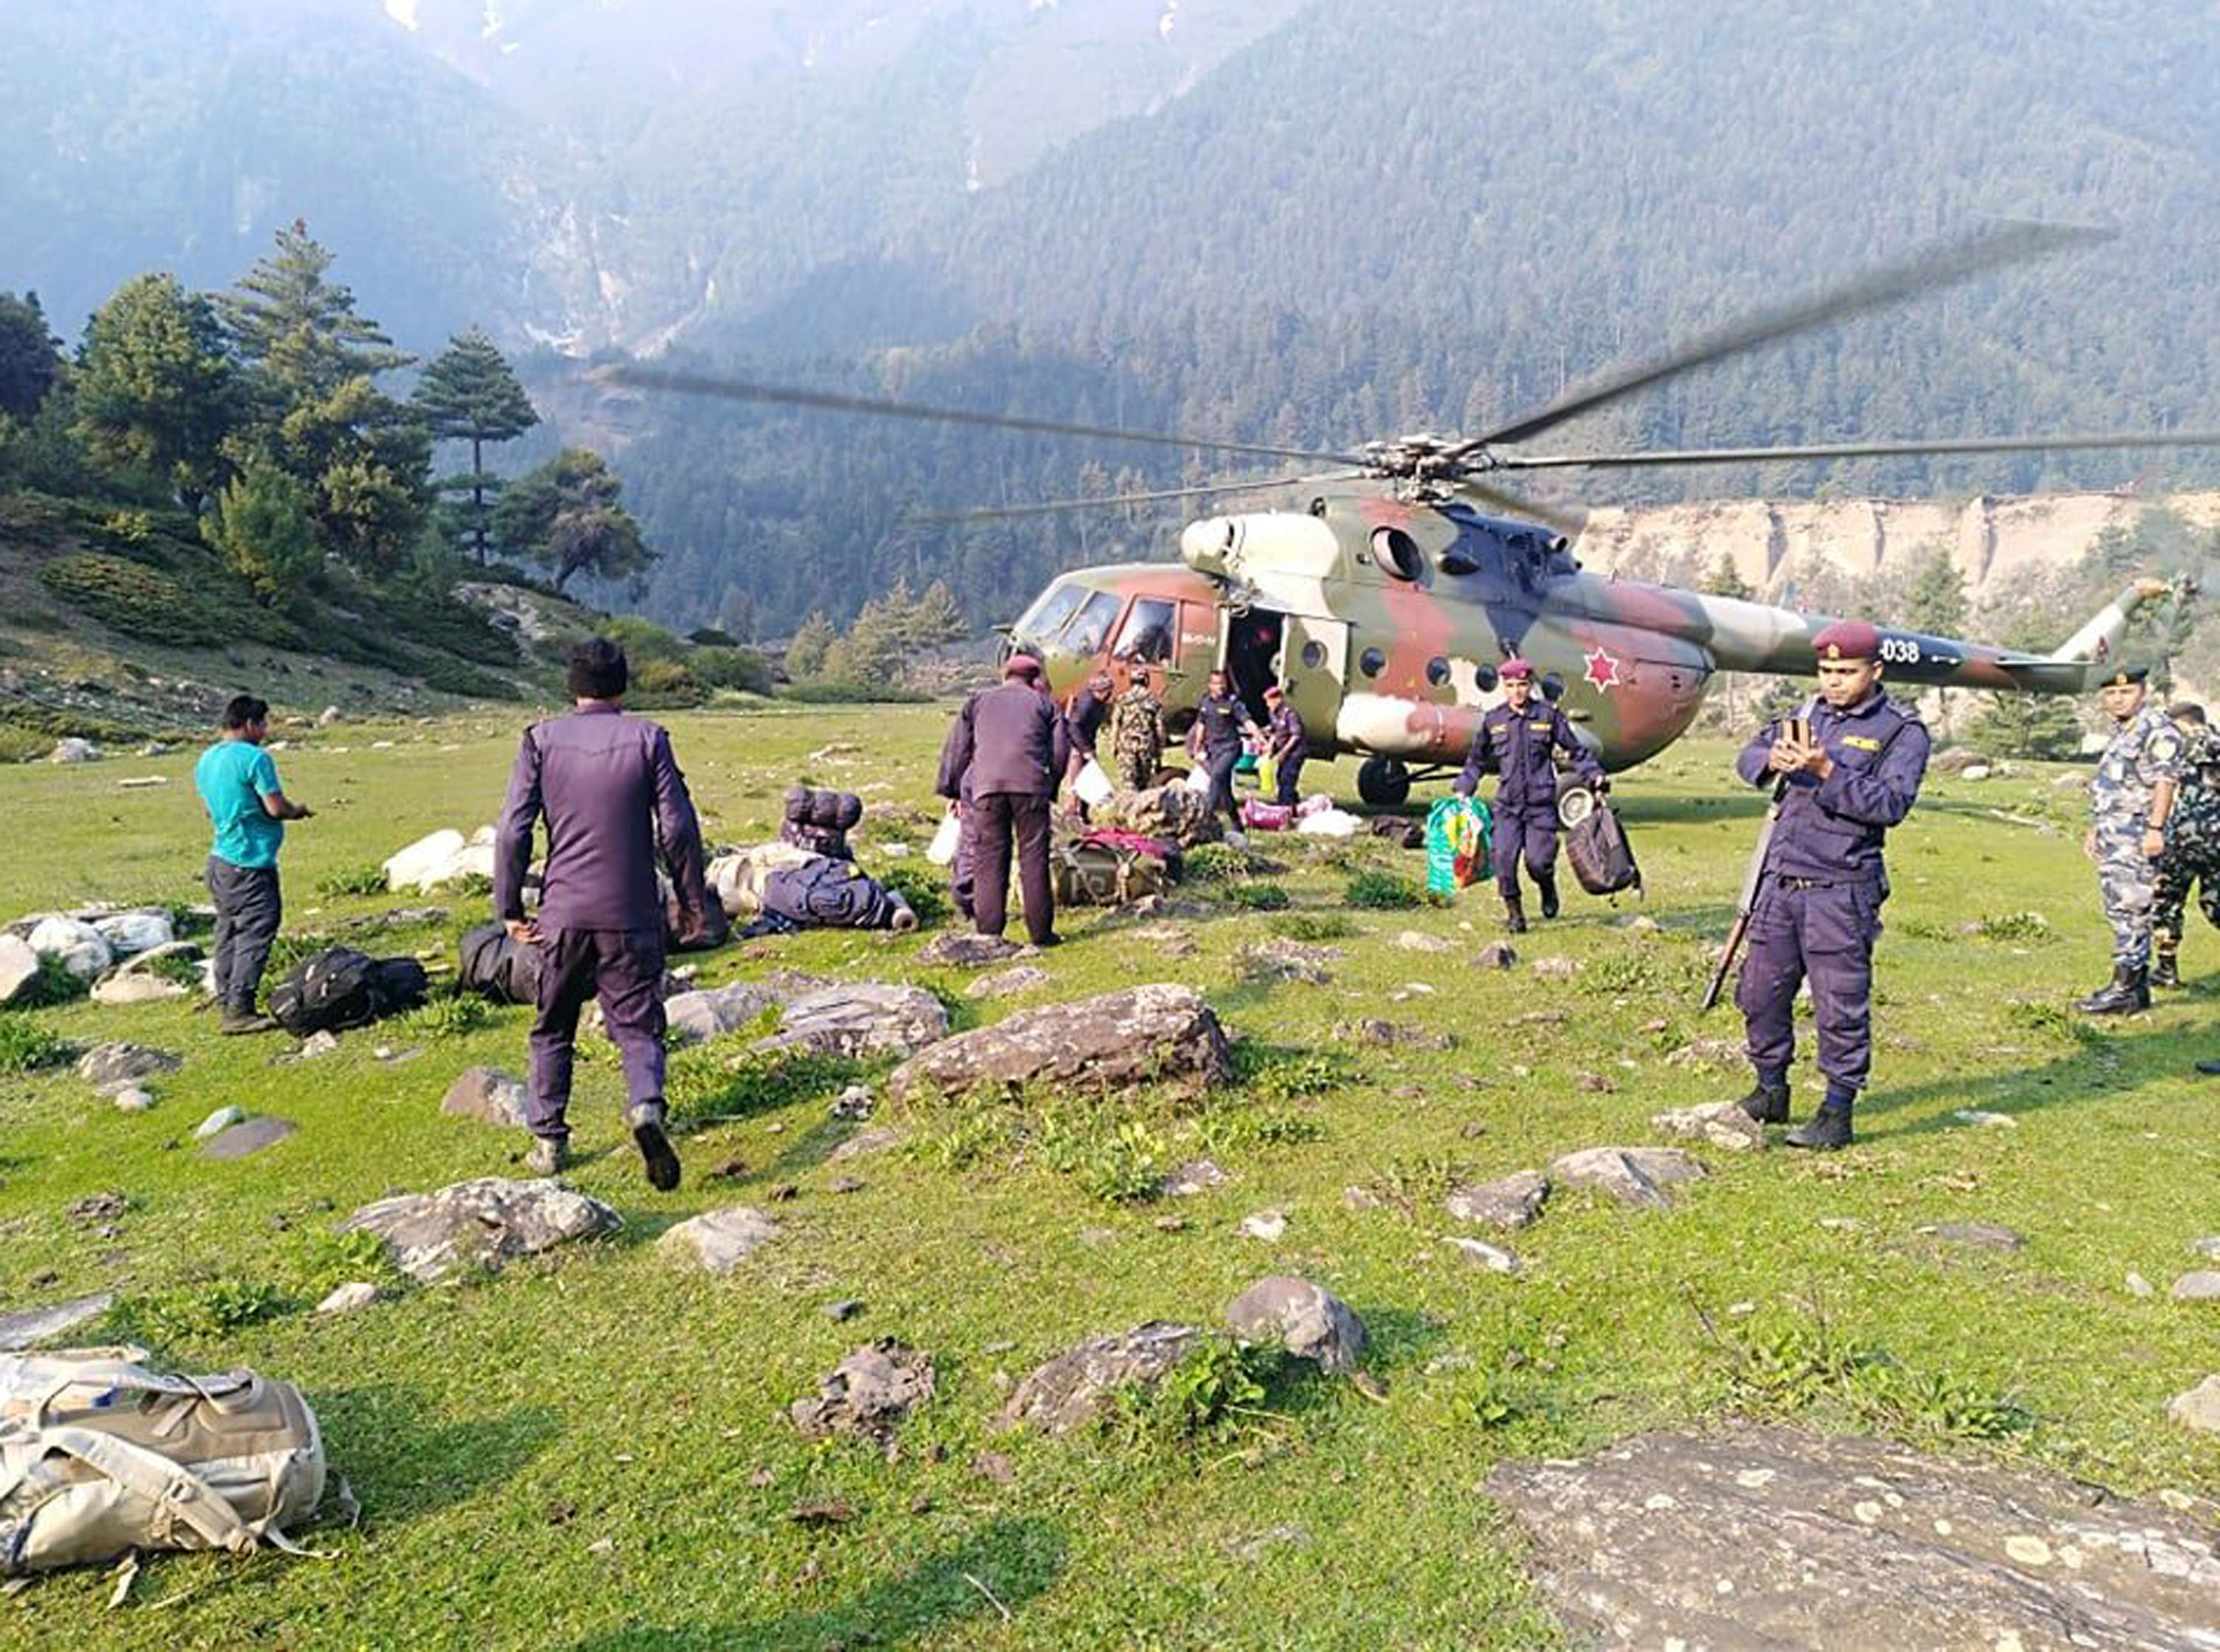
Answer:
(1766, 1103)
(1830, 1129)
(1514, 914)
(1547, 882)
(2129, 991)
(2165, 970)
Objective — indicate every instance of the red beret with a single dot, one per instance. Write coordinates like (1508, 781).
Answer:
(1021, 665)
(1514, 670)
(1847, 639)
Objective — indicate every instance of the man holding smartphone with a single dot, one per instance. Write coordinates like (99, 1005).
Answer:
(1848, 769)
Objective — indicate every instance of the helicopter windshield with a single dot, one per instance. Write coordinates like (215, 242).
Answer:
(1049, 612)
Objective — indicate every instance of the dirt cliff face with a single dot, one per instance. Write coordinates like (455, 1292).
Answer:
(1988, 538)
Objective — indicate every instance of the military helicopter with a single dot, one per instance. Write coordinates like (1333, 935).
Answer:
(1384, 610)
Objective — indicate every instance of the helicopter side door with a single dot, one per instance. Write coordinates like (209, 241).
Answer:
(1314, 674)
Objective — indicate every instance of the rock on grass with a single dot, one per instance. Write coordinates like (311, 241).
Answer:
(1157, 1034)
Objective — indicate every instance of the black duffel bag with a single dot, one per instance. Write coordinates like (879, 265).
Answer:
(498, 967)
(1596, 844)
(340, 988)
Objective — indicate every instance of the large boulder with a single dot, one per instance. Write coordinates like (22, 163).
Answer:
(958, 949)
(868, 1018)
(74, 945)
(1767, 1537)
(711, 1012)
(1072, 1389)
(1157, 1034)
(29, 1327)
(1308, 1320)
(129, 933)
(73, 749)
(19, 968)
(445, 856)
(1510, 1202)
(1640, 1176)
(484, 1223)
(112, 1067)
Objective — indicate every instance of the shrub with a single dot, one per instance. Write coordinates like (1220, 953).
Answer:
(199, 1312)
(927, 895)
(366, 879)
(851, 694)
(665, 684)
(25, 1046)
(135, 600)
(52, 985)
(1216, 1391)
(1262, 897)
(455, 1017)
(732, 667)
(1381, 891)
(1213, 863)
(1313, 925)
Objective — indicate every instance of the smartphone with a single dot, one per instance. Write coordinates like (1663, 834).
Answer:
(1799, 730)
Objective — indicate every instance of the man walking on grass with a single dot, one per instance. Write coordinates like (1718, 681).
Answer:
(611, 792)
(238, 784)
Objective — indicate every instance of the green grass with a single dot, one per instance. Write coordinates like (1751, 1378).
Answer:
(590, 1453)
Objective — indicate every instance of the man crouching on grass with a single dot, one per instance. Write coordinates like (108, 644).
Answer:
(610, 789)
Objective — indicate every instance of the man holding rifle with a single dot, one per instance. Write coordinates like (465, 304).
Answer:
(1843, 772)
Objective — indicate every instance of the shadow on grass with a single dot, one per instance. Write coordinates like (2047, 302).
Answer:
(991, 1574)
(402, 1465)
(1652, 808)
(2070, 1076)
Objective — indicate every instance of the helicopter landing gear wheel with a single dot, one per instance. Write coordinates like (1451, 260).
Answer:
(1384, 782)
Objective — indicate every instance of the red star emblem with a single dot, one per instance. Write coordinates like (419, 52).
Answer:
(1603, 669)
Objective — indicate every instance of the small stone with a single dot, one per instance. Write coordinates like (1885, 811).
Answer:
(486, 1095)
(29, 1327)
(855, 1103)
(119, 991)
(721, 1239)
(1494, 1257)
(1717, 1123)
(2208, 1248)
(868, 1393)
(246, 1138)
(1497, 955)
(1555, 969)
(349, 1298)
(1510, 1202)
(995, 1465)
(1988, 1236)
(844, 1310)
(1309, 1321)
(1639, 1176)
(2203, 1285)
(1593, 1083)
(1414, 940)
(1196, 1176)
(1265, 1224)
(1986, 1120)
(2198, 1408)
(2138, 1286)
(319, 1045)
(1357, 1198)
(959, 950)
(862, 1145)
(218, 1121)
(112, 1067)
(1642, 924)
(1008, 983)
(133, 1100)
(844, 1185)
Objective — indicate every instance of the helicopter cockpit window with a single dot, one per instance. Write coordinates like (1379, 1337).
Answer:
(1048, 615)
(1086, 633)
(1147, 632)
(1397, 552)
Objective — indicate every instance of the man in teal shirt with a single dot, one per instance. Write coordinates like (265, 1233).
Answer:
(238, 785)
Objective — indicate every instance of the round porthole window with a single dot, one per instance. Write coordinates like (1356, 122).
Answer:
(1437, 670)
(1483, 678)
(1553, 687)
(1372, 661)
(1397, 552)
(1314, 655)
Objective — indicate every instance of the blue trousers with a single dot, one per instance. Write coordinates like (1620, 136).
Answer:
(624, 968)
(1825, 932)
(1525, 831)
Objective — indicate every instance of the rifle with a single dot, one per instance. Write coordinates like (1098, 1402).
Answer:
(1753, 878)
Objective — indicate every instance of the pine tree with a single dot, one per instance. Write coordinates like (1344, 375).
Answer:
(30, 356)
(156, 393)
(359, 456)
(565, 514)
(805, 654)
(1935, 601)
(262, 527)
(469, 393)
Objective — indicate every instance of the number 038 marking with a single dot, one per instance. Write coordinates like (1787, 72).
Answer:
(1900, 650)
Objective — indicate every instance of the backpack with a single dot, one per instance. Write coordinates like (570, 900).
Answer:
(1601, 858)
(1103, 870)
(826, 894)
(340, 988)
(100, 1456)
(493, 964)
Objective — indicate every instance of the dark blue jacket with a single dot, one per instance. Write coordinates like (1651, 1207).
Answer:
(1832, 830)
(1011, 738)
(1522, 747)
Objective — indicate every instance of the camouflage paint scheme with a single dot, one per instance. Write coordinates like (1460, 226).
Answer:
(1394, 614)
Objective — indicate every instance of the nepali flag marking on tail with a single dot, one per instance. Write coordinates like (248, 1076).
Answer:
(1603, 669)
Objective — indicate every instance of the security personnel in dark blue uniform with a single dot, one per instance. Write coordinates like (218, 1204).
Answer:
(1520, 740)
(1221, 721)
(1286, 744)
(1818, 911)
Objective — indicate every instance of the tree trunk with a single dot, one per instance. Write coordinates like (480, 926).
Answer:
(477, 496)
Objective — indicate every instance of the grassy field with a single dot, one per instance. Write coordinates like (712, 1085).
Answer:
(592, 1453)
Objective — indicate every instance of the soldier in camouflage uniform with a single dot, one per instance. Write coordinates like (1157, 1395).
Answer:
(2130, 799)
(1137, 733)
(2193, 844)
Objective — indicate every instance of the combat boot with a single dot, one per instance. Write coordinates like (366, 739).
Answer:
(1766, 1103)
(2165, 970)
(1830, 1128)
(1514, 914)
(2129, 991)
(550, 1155)
(656, 1156)
(1547, 882)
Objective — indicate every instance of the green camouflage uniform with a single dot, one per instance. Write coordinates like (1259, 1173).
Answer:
(1136, 738)
(2145, 751)
(2192, 843)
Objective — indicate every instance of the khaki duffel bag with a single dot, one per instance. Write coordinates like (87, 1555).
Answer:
(100, 1456)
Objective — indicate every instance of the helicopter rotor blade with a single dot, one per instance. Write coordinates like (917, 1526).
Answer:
(1568, 523)
(1101, 502)
(734, 390)
(2012, 243)
(1862, 450)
